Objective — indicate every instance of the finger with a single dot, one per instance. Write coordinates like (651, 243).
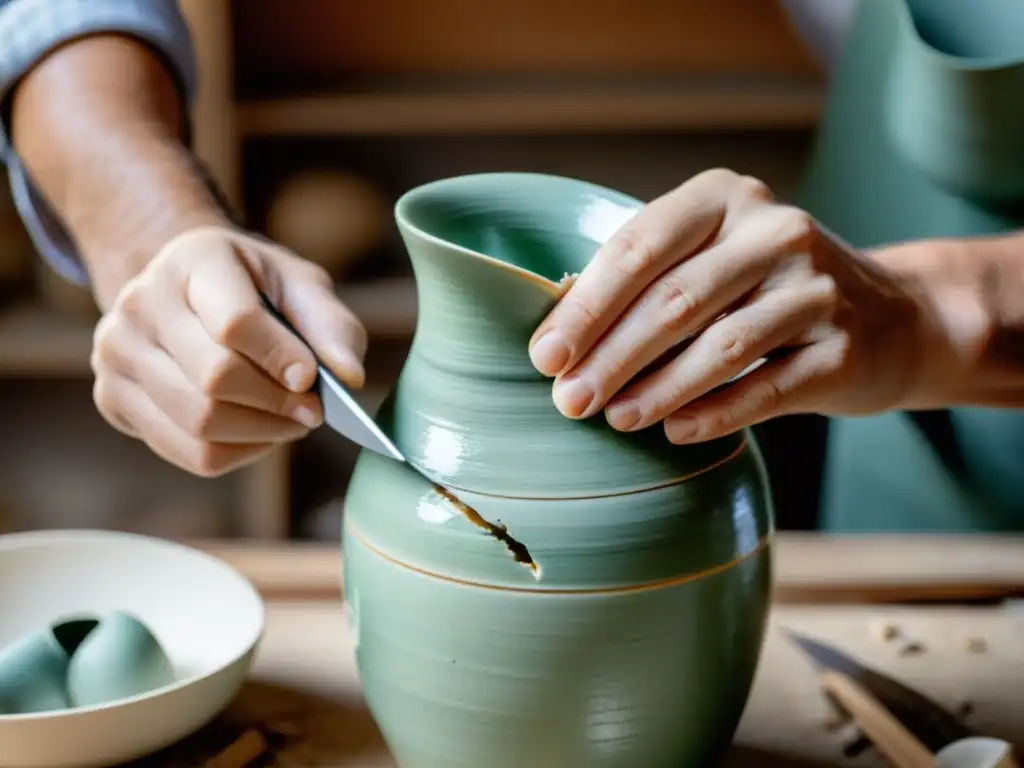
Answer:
(330, 328)
(223, 374)
(109, 407)
(677, 305)
(723, 351)
(222, 294)
(665, 232)
(168, 441)
(797, 383)
(192, 411)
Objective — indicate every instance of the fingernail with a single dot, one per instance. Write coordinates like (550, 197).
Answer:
(680, 430)
(550, 354)
(306, 417)
(574, 397)
(296, 377)
(622, 416)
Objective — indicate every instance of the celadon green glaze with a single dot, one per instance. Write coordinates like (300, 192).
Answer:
(923, 137)
(617, 617)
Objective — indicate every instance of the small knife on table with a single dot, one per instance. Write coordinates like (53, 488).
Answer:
(910, 729)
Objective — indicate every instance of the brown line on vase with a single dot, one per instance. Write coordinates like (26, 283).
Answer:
(761, 546)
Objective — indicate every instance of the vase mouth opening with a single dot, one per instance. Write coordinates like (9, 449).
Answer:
(980, 40)
(545, 228)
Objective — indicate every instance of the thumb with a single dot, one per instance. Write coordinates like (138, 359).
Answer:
(306, 297)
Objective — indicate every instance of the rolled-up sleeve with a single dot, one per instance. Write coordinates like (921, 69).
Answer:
(29, 29)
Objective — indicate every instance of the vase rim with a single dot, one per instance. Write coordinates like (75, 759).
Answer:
(551, 287)
(990, 64)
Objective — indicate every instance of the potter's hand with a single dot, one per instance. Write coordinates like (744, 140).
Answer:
(188, 360)
(718, 263)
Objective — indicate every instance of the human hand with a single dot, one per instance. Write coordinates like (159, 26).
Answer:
(718, 263)
(188, 360)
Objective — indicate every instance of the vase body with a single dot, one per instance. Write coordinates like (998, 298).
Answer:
(921, 138)
(571, 596)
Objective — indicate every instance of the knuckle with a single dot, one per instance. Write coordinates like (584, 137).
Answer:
(630, 252)
(752, 188)
(202, 418)
(234, 326)
(680, 303)
(218, 369)
(827, 289)
(795, 225)
(717, 176)
(102, 341)
(734, 343)
(764, 397)
(581, 316)
(317, 274)
(133, 299)
(107, 406)
(209, 461)
(102, 396)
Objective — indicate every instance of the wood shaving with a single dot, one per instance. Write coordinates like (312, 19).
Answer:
(911, 648)
(975, 645)
(241, 752)
(885, 631)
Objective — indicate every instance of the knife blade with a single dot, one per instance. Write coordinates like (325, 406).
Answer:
(342, 412)
(932, 724)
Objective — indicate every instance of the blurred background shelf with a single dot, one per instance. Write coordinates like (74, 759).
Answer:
(35, 340)
(314, 119)
(594, 107)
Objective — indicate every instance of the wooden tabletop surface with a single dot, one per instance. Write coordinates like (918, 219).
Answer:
(304, 697)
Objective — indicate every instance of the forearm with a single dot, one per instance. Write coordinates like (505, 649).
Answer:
(972, 294)
(99, 124)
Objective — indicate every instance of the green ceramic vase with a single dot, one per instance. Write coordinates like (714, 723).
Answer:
(568, 595)
(955, 95)
(922, 138)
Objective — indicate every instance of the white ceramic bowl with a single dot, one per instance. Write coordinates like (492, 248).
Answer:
(206, 615)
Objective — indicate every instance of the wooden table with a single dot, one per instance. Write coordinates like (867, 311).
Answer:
(969, 632)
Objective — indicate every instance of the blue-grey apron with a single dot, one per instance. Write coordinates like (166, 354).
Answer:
(923, 136)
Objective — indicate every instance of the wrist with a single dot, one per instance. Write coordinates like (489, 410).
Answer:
(961, 323)
(98, 124)
(152, 191)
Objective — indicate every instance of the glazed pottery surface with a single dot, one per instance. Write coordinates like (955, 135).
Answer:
(161, 633)
(117, 659)
(955, 100)
(568, 595)
(33, 670)
(921, 138)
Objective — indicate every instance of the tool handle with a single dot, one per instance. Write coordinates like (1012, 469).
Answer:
(876, 722)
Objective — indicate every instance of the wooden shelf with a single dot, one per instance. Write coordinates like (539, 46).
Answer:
(732, 105)
(37, 342)
(387, 307)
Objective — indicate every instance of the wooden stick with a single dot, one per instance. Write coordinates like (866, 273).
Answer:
(241, 752)
(885, 731)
